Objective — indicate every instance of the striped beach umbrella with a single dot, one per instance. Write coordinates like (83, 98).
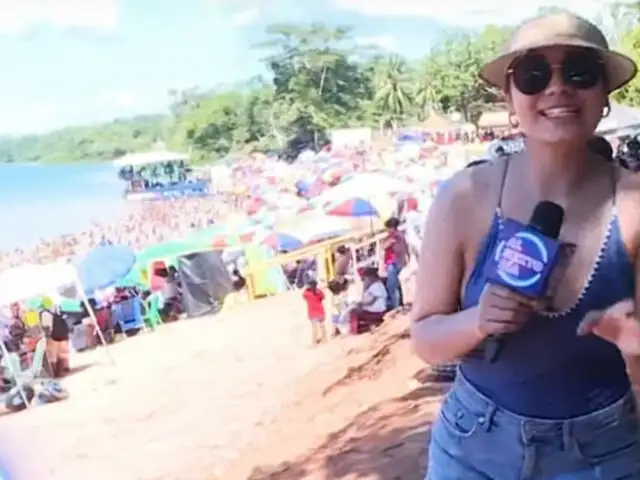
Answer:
(353, 207)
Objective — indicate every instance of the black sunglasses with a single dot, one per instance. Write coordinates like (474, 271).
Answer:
(580, 68)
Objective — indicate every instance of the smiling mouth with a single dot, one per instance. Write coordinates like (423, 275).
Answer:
(554, 113)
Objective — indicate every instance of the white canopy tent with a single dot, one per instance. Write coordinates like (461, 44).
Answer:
(31, 281)
(149, 158)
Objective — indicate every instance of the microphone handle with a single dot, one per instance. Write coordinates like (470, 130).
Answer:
(492, 347)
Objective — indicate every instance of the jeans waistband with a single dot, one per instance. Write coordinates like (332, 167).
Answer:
(475, 401)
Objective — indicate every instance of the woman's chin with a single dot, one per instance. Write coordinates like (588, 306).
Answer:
(561, 136)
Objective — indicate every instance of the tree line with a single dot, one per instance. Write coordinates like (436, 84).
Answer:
(319, 79)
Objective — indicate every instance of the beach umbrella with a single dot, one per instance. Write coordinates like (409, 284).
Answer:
(137, 277)
(281, 241)
(353, 207)
(316, 226)
(102, 267)
(169, 251)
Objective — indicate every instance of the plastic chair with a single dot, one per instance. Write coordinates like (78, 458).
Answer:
(128, 314)
(12, 366)
(37, 362)
(151, 311)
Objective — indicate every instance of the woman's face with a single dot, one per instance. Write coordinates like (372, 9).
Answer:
(557, 94)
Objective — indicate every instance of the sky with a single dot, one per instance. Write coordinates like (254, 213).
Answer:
(71, 62)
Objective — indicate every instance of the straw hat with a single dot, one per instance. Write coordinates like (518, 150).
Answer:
(555, 30)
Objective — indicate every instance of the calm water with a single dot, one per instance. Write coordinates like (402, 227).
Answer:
(44, 201)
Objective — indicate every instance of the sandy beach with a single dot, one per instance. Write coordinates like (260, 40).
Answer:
(181, 402)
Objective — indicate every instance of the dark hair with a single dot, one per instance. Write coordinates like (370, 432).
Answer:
(601, 146)
(392, 222)
(475, 163)
(337, 286)
(370, 272)
(341, 249)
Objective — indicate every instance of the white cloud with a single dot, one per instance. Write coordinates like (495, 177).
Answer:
(117, 98)
(20, 15)
(468, 12)
(245, 17)
(386, 42)
(33, 118)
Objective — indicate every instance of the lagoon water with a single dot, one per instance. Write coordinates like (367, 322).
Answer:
(39, 201)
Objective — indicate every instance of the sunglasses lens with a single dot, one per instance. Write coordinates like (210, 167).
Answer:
(531, 74)
(582, 69)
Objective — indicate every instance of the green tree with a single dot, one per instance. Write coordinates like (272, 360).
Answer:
(319, 80)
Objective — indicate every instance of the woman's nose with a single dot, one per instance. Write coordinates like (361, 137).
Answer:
(557, 85)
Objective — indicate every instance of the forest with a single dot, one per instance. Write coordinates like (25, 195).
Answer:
(319, 79)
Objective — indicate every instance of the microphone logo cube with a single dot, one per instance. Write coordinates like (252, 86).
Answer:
(523, 259)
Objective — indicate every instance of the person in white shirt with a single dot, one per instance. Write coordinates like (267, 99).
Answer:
(369, 312)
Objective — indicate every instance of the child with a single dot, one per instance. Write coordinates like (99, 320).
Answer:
(339, 288)
(314, 299)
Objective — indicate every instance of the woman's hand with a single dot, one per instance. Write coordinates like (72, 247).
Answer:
(617, 324)
(501, 310)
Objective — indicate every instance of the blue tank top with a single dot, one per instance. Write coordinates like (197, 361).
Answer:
(545, 370)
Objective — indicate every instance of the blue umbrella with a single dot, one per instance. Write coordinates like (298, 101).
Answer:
(104, 266)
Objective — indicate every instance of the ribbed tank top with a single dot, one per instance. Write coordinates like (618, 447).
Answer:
(545, 370)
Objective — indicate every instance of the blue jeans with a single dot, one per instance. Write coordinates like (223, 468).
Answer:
(474, 439)
(392, 283)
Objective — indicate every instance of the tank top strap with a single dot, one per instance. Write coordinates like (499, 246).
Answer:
(503, 180)
(615, 178)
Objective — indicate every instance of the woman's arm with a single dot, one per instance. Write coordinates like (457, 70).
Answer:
(629, 188)
(440, 332)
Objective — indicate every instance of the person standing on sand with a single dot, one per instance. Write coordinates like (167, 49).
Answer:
(395, 256)
(314, 298)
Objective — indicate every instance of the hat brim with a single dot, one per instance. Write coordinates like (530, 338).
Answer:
(620, 68)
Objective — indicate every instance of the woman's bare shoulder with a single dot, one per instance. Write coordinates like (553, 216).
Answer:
(628, 203)
(474, 187)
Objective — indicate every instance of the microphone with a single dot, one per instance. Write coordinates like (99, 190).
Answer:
(524, 257)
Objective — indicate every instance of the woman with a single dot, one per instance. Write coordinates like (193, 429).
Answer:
(369, 312)
(17, 330)
(556, 402)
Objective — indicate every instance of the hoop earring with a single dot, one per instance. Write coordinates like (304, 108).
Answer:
(606, 111)
(513, 121)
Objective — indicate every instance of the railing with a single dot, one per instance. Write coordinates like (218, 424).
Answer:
(323, 253)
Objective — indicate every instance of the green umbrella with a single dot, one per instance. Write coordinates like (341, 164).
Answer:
(135, 278)
(168, 252)
(204, 235)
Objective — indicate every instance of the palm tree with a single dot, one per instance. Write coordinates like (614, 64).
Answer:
(391, 91)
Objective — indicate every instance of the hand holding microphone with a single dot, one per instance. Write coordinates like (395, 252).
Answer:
(501, 310)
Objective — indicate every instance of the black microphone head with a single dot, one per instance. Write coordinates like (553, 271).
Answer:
(547, 217)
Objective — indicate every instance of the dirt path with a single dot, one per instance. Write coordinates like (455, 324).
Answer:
(372, 423)
(183, 402)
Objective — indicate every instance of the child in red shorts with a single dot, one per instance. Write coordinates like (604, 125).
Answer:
(314, 298)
